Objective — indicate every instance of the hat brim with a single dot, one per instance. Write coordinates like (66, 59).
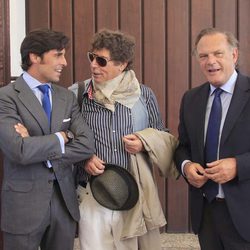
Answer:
(115, 188)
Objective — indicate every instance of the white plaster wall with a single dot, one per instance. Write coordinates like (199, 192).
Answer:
(17, 33)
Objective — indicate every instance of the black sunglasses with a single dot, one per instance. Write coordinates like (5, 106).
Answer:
(101, 61)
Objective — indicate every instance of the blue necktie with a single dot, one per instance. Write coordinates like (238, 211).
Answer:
(44, 88)
(212, 140)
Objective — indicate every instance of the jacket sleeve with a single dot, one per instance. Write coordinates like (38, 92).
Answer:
(82, 147)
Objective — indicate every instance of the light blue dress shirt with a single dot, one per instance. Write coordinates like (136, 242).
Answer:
(33, 84)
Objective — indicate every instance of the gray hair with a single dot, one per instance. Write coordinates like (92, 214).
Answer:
(231, 39)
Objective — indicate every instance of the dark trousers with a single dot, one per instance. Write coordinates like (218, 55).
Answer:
(56, 232)
(217, 229)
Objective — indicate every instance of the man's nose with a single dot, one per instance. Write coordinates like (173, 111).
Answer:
(94, 63)
(64, 62)
(211, 59)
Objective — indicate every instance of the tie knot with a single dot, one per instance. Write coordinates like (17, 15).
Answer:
(217, 92)
(44, 88)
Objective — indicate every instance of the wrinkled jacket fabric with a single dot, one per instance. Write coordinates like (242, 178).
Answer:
(147, 213)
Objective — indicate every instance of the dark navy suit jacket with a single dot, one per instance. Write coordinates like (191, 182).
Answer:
(235, 142)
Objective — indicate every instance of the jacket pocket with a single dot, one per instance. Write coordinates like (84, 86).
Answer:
(18, 185)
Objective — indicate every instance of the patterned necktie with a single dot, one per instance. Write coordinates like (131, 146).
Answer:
(212, 140)
(44, 88)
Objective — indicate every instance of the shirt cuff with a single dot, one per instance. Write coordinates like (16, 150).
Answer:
(60, 137)
(182, 166)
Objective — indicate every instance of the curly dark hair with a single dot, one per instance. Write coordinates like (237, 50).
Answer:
(41, 41)
(120, 45)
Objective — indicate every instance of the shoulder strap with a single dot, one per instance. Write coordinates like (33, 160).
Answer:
(81, 89)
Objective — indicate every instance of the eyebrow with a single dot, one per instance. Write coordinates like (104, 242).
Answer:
(100, 56)
(213, 52)
(59, 52)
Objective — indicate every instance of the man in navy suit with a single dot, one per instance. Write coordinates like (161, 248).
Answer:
(39, 203)
(222, 222)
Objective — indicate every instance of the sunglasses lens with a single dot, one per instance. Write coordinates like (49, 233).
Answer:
(101, 61)
(91, 57)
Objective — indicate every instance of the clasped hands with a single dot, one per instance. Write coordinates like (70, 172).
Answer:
(132, 144)
(220, 171)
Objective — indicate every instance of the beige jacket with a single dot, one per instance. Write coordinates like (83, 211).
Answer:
(147, 213)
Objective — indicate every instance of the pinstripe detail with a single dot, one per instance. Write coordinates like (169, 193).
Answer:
(109, 127)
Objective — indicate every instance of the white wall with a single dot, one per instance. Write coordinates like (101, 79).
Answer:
(17, 33)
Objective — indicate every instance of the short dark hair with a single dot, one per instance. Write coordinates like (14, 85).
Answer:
(120, 45)
(231, 39)
(41, 41)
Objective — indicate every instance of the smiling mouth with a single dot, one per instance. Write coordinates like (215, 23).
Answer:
(213, 70)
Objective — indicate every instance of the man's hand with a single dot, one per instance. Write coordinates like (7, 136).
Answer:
(133, 144)
(21, 130)
(94, 166)
(221, 171)
(195, 174)
(65, 138)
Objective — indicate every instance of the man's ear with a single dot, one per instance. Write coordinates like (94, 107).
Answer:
(235, 55)
(123, 66)
(34, 58)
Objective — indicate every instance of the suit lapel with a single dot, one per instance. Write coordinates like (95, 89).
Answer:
(32, 104)
(240, 97)
(58, 108)
(200, 114)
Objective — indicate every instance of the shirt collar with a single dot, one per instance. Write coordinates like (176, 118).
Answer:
(31, 81)
(228, 86)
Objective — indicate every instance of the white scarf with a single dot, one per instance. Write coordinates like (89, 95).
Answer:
(124, 89)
